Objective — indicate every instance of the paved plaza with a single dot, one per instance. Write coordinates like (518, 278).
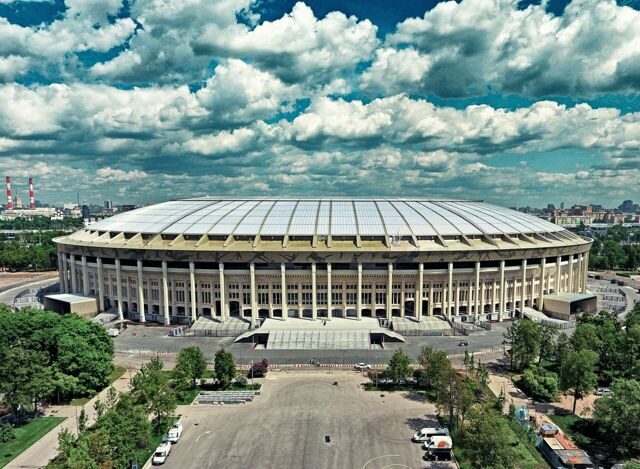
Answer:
(287, 426)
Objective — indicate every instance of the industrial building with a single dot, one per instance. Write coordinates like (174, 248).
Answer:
(321, 258)
(15, 209)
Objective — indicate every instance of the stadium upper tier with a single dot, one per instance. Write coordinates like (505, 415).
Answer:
(323, 222)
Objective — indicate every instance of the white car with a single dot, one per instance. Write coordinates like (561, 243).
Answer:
(426, 433)
(161, 454)
(175, 432)
(603, 391)
(362, 366)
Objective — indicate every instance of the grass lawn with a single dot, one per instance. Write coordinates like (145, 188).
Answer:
(115, 375)
(144, 454)
(187, 397)
(26, 435)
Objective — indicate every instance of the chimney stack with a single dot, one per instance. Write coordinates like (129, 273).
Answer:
(32, 200)
(9, 200)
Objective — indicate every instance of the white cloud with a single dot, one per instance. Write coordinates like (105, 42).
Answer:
(594, 47)
(109, 174)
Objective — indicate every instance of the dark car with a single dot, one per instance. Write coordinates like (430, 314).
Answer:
(463, 343)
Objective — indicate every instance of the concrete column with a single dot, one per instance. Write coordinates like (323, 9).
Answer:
(314, 287)
(329, 293)
(141, 291)
(571, 288)
(85, 277)
(470, 298)
(494, 287)
(482, 293)
(100, 285)
(60, 273)
(72, 261)
(194, 300)
(283, 286)
(165, 293)
(586, 272)
(402, 300)
(542, 284)
(558, 273)
(224, 304)
(420, 291)
(456, 304)
(449, 290)
(389, 290)
(64, 286)
(430, 304)
(502, 293)
(513, 295)
(359, 293)
(119, 289)
(523, 290)
(254, 295)
(580, 270)
(477, 293)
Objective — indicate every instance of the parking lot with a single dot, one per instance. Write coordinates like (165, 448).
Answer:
(288, 424)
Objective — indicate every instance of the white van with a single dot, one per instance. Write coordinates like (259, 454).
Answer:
(162, 453)
(426, 433)
(175, 432)
(439, 442)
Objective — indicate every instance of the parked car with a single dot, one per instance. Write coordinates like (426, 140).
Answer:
(463, 343)
(175, 432)
(362, 366)
(161, 454)
(438, 454)
(603, 391)
(438, 441)
(426, 433)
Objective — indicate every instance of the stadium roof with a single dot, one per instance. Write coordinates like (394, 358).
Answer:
(325, 217)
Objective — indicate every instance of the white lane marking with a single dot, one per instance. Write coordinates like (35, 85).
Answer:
(396, 465)
(385, 456)
(201, 434)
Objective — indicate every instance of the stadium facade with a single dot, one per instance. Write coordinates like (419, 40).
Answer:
(255, 258)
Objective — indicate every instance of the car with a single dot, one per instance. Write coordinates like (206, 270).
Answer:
(175, 432)
(603, 391)
(463, 343)
(424, 434)
(161, 454)
(438, 454)
(362, 366)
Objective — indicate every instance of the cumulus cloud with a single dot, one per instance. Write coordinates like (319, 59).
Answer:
(460, 49)
(109, 174)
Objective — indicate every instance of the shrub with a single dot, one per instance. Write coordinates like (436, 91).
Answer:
(259, 369)
(538, 383)
(240, 381)
(7, 433)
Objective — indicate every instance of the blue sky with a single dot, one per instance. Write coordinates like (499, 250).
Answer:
(514, 102)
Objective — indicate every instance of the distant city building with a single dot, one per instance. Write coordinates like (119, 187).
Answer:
(86, 213)
(628, 207)
(127, 207)
(551, 207)
(69, 206)
(108, 204)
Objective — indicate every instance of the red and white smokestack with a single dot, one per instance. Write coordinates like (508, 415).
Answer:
(32, 199)
(9, 201)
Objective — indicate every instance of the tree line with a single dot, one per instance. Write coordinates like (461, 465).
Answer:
(29, 251)
(613, 249)
(44, 355)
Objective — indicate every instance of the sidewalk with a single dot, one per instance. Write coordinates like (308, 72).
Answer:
(46, 448)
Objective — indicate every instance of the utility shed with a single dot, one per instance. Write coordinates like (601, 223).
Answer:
(564, 305)
(563, 453)
(65, 303)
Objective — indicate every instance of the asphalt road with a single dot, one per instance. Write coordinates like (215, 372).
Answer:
(8, 296)
(286, 426)
(138, 339)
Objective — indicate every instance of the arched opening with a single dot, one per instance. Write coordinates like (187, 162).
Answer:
(292, 313)
(366, 313)
(395, 312)
(206, 312)
(437, 312)
(352, 313)
(307, 313)
(263, 313)
(234, 309)
(246, 312)
(425, 307)
(336, 313)
(322, 313)
(218, 309)
(381, 313)
(277, 313)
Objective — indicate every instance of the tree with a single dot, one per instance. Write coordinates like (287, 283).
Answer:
(191, 365)
(618, 417)
(259, 369)
(538, 383)
(149, 389)
(548, 336)
(578, 374)
(563, 347)
(526, 346)
(224, 367)
(484, 442)
(510, 337)
(399, 367)
(432, 366)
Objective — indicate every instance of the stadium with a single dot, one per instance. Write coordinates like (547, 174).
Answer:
(321, 258)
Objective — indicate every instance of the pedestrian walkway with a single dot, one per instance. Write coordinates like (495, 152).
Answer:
(46, 448)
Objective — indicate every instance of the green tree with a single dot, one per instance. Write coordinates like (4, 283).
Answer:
(510, 337)
(484, 443)
(563, 347)
(191, 365)
(149, 389)
(399, 367)
(578, 374)
(618, 417)
(526, 346)
(538, 383)
(224, 367)
(548, 335)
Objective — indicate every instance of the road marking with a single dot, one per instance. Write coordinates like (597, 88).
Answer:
(396, 465)
(385, 456)
(201, 434)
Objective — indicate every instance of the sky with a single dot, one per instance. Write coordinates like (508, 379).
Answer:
(513, 102)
